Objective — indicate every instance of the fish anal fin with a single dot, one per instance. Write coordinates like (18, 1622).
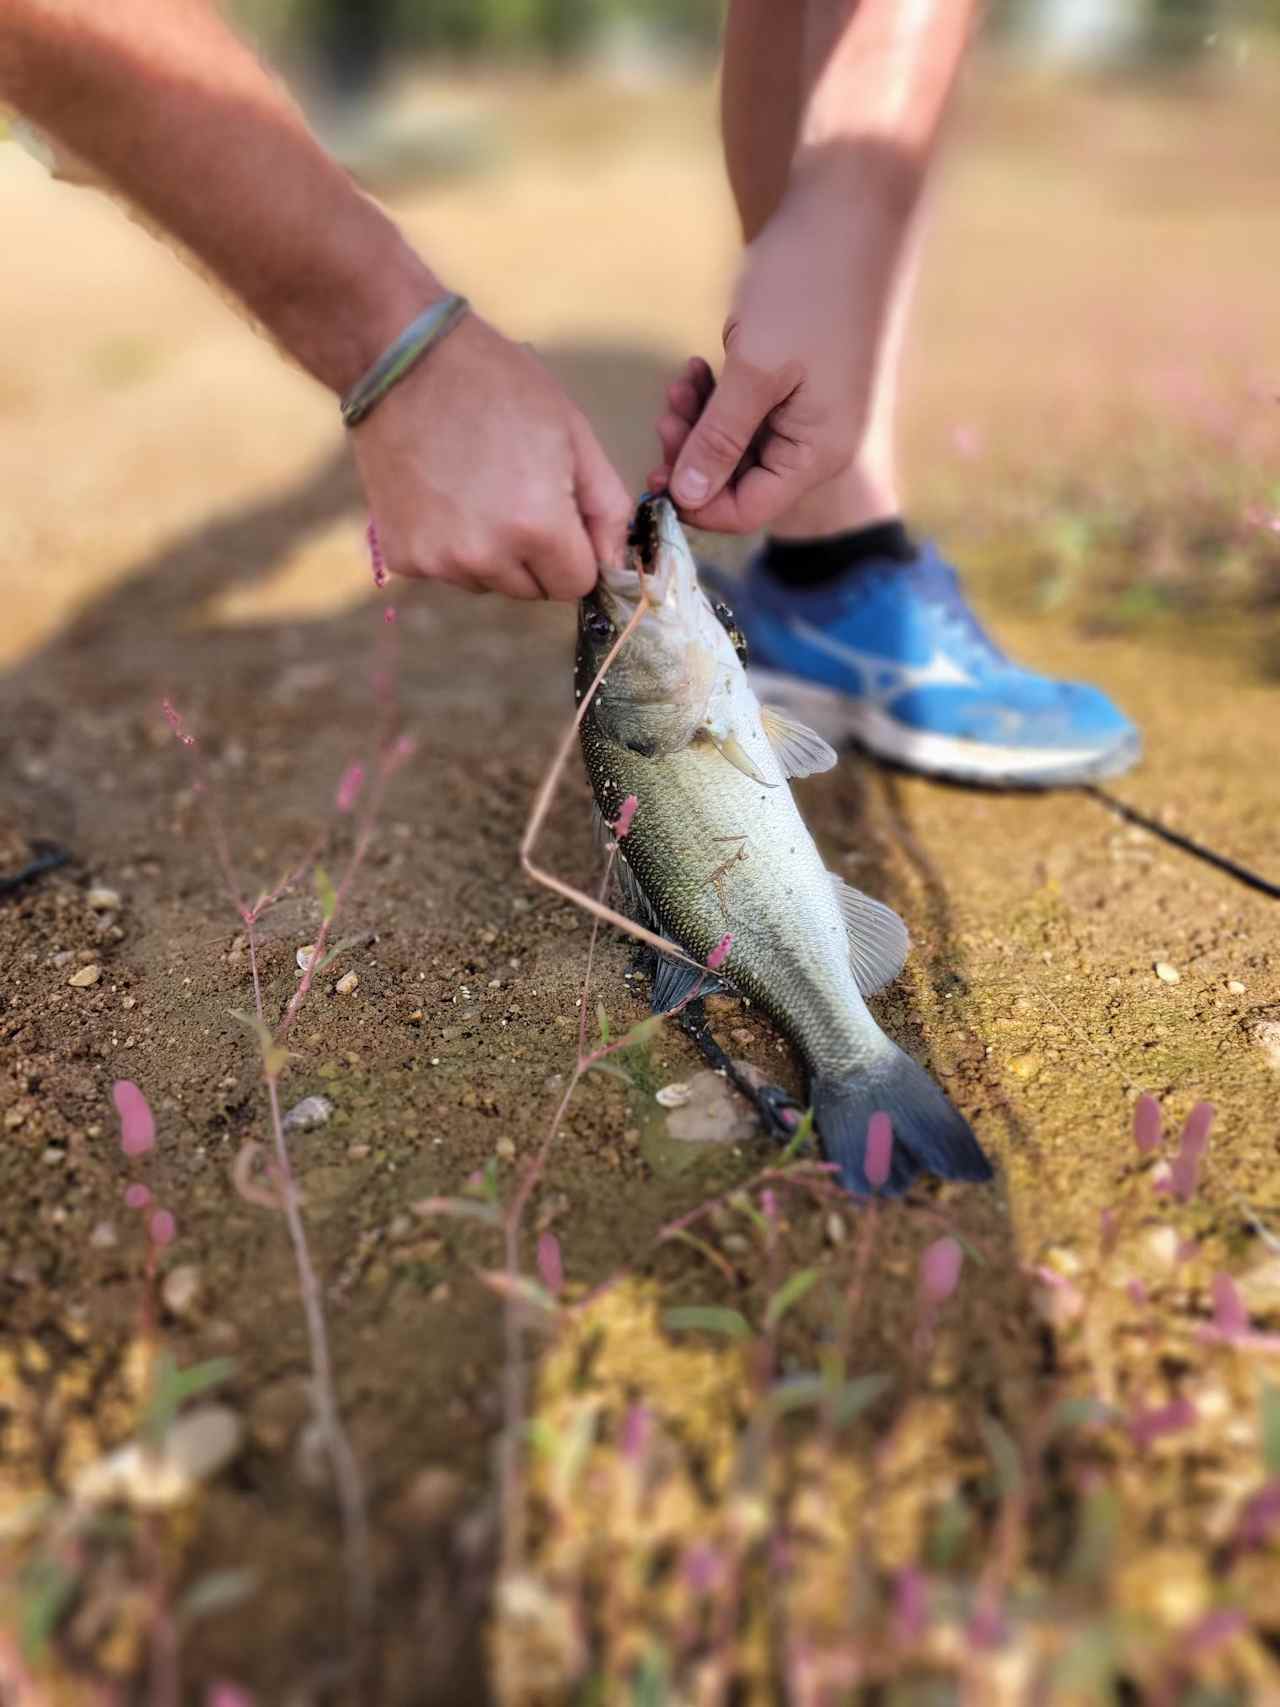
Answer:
(801, 751)
(674, 983)
(878, 939)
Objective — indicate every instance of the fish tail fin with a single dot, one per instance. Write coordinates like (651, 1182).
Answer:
(929, 1135)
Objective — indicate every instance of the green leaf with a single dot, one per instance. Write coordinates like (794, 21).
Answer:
(518, 1289)
(1080, 1412)
(274, 1058)
(1088, 1665)
(796, 1393)
(326, 893)
(950, 1532)
(1269, 1428)
(217, 1592)
(790, 1292)
(602, 1020)
(710, 1317)
(575, 1444)
(1096, 1536)
(331, 954)
(857, 1395)
(651, 1686)
(172, 1387)
(47, 1588)
(798, 1139)
(464, 1208)
(1004, 1456)
(642, 1032)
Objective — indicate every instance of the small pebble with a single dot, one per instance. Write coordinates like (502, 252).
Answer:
(1235, 986)
(506, 1148)
(837, 1232)
(104, 1236)
(181, 1288)
(347, 984)
(674, 1095)
(1167, 974)
(1025, 1066)
(103, 900)
(303, 955)
(311, 1111)
(53, 1155)
(86, 976)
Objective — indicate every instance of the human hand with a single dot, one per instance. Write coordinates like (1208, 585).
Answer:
(790, 407)
(480, 471)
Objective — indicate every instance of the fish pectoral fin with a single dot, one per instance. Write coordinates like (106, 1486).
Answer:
(878, 939)
(729, 747)
(801, 751)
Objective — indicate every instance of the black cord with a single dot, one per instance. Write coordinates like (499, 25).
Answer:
(1175, 838)
(48, 857)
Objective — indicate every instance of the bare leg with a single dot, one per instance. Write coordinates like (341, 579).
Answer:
(761, 95)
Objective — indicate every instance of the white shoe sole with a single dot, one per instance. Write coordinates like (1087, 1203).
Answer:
(840, 718)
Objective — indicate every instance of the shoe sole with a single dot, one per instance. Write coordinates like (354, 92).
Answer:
(841, 719)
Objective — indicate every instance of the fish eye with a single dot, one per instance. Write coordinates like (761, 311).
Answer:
(598, 625)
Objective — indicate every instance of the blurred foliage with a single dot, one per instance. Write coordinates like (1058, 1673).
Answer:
(558, 29)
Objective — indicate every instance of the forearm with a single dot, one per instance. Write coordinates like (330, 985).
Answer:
(879, 71)
(175, 112)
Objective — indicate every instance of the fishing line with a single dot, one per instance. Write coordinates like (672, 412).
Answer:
(1221, 862)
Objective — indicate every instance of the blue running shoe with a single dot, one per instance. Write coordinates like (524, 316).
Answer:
(895, 659)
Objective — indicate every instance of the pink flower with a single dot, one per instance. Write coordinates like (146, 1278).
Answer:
(940, 1270)
(910, 1605)
(720, 953)
(137, 1125)
(227, 1695)
(550, 1265)
(377, 563)
(349, 788)
(879, 1149)
(137, 1196)
(1151, 1425)
(389, 615)
(1147, 1129)
(622, 823)
(162, 1227)
(1184, 1176)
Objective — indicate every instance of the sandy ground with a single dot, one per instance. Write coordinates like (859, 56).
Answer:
(179, 520)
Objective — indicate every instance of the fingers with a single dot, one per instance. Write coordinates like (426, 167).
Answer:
(686, 397)
(603, 501)
(722, 434)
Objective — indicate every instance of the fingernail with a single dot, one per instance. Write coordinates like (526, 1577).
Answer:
(691, 486)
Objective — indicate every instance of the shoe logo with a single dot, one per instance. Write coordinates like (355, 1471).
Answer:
(882, 678)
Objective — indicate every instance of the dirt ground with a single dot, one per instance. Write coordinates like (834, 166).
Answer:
(1093, 406)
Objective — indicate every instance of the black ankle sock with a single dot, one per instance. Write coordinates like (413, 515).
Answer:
(810, 562)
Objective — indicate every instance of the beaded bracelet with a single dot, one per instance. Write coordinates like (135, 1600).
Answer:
(402, 355)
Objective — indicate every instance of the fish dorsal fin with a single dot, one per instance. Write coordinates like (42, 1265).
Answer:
(801, 751)
(878, 940)
(729, 747)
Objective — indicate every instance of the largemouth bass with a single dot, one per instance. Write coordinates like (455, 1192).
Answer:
(717, 848)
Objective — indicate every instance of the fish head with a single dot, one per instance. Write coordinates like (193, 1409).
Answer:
(656, 693)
